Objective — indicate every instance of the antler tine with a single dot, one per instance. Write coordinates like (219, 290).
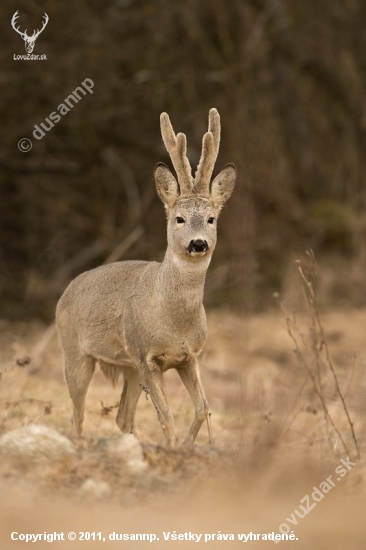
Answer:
(38, 32)
(13, 22)
(210, 150)
(177, 149)
(214, 127)
(14, 18)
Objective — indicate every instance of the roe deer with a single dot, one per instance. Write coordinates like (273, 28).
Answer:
(141, 318)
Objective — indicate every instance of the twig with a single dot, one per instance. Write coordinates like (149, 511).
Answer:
(125, 245)
(124, 172)
(313, 378)
(84, 256)
(312, 301)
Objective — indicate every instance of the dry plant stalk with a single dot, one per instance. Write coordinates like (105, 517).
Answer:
(320, 361)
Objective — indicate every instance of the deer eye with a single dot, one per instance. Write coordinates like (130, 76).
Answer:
(210, 220)
(179, 219)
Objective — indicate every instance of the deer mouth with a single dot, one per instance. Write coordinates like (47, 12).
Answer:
(197, 254)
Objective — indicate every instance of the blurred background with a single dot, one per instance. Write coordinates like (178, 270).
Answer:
(288, 79)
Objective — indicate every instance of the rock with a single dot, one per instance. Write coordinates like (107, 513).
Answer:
(124, 449)
(35, 444)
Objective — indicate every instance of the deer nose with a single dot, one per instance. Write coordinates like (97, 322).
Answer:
(198, 245)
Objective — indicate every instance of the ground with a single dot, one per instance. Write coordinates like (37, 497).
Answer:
(274, 439)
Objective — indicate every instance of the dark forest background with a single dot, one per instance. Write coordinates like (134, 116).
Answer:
(288, 78)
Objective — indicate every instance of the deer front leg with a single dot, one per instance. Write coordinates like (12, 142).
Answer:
(152, 379)
(190, 376)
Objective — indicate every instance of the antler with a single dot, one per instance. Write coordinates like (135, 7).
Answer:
(210, 149)
(177, 149)
(13, 21)
(176, 145)
(24, 34)
(37, 33)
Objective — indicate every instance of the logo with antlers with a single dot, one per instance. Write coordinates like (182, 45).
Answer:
(28, 40)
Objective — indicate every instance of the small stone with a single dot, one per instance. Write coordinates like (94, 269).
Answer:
(35, 444)
(124, 449)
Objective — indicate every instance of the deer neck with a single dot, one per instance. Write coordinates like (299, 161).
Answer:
(180, 285)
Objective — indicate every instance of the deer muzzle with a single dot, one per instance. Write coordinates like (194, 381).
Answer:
(198, 245)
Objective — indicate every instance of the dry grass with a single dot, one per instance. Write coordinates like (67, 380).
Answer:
(271, 443)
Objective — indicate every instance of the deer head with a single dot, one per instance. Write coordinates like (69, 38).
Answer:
(28, 40)
(193, 203)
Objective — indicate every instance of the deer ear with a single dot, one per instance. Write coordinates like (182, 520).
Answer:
(223, 185)
(166, 185)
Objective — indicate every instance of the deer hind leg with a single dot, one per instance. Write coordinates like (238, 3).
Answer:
(78, 374)
(132, 388)
(190, 377)
(152, 379)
